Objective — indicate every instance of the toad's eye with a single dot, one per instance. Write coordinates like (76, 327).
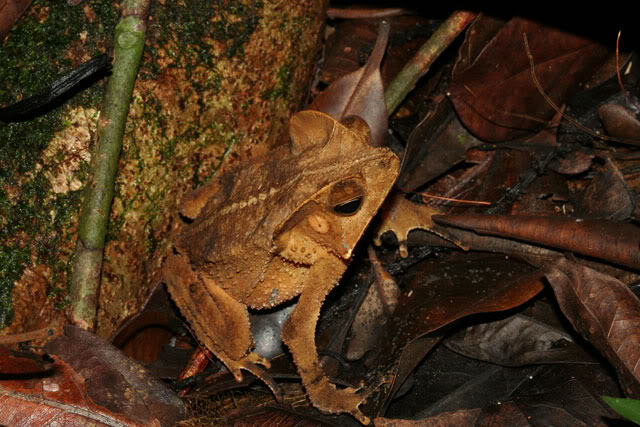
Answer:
(346, 197)
(348, 208)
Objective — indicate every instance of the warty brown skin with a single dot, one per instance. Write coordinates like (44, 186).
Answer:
(268, 231)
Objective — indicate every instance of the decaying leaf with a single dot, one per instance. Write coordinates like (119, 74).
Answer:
(436, 145)
(566, 395)
(488, 90)
(58, 394)
(605, 312)
(607, 196)
(377, 308)
(516, 341)
(619, 122)
(113, 381)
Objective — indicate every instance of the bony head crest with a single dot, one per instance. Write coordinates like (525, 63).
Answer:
(310, 129)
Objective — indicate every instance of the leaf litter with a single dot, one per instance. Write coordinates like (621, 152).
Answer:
(477, 128)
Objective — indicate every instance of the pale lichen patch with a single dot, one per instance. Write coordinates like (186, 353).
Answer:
(69, 150)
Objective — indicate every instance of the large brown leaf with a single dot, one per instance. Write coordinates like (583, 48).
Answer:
(48, 396)
(605, 312)
(114, 381)
(90, 383)
(494, 93)
(444, 296)
(517, 341)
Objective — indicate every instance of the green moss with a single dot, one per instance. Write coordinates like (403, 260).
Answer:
(12, 264)
(24, 213)
(189, 25)
(31, 58)
(42, 221)
(238, 22)
(281, 90)
(33, 54)
(33, 219)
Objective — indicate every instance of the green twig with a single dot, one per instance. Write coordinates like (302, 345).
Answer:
(407, 78)
(128, 46)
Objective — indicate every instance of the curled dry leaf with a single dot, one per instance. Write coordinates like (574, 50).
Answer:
(605, 312)
(619, 122)
(617, 242)
(608, 196)
(360, 93)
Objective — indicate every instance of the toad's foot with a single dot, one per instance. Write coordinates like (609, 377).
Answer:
(252, 362)
(327, 398)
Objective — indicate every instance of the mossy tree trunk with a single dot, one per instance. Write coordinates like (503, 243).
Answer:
(217, 84)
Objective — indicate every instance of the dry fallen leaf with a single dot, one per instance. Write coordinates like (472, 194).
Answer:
(54, 395)
(360, 93)
(437, 299)
(437, 144)
(618, 242)
(517, 341)
(605, 312)
(111, 381)
(489, 90)
(607, 196)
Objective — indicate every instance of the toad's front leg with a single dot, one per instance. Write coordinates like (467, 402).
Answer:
(299, 335)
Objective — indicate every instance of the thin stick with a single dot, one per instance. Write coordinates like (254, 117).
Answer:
(619, 75)
(426, 196)
(418, 66)
(85, 280)
(365, 13)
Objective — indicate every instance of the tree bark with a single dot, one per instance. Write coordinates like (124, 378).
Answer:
(217, 83)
